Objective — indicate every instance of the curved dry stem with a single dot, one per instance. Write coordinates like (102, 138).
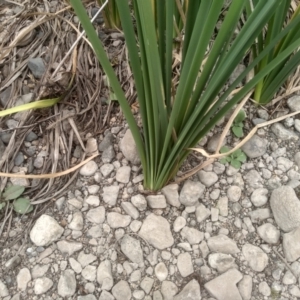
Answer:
(48, 176)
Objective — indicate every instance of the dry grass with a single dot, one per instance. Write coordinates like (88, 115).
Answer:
(38, 30)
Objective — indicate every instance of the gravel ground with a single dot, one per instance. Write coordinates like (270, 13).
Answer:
(224, 234)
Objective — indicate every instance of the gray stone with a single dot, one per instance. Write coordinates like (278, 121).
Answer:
(121, 291)
(284, 164)
(123, 174)
(236, 73)
(295, 291)
(88, 297)
(220, 261)
(110, 194)
(93, 189)
(153, 257)
(135, 225)
(37, 67)
(297, 159)
(257, 259)
(5, 96)
(286, 208)
(255, 147)
(284, 134)
(245, 287)
(218, 168)
(204, 249)
(222, 205)
(129, 149)
(67, 284)
(11, 123)
(269, 233)
(132, 249)
(39, 271)
(259, 197)
(91, 146)
(274, 183)
(138, 294)
(139, 201)
(257, 121)
(75, 265)
(104, 275)
(106, 142)
(207, 178)
(156, 201)
(179, 223)
(93, 200)
(291, 245)
(259, 214)
(45, 231)
(156, 231)
(136, 276)
(297, 125)
(289, 278)
(86, 259)
(222, 243)
(161, 271)
(23, 279)
(3, 290)
(116, 220)
(171, 193)
(130, 210)
(156, 296)
(108, 154)
(253, 179)
(106, 296)
(234, 193)
(147, 284)
(288, 122)
(89, 168)
(67, 247)
(213, 143)
(191, 291)
(191, 192)
(13, 262)
(168, 290)
(95, 232)
(89, 273)
(77, 221)
(202, 213)
(184, 264)
(264, 289)
(19, 159)
(294, 103)
(224, 286)
(96, 215)
(106, 169)
(192, 235)
(42, 285)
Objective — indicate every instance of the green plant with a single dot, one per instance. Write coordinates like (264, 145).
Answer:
(237, 125)
(235, 159)
(176, 115)
(20, 205)
(111, 14)
(270, 84)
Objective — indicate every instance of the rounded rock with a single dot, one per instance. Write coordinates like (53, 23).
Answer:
(89, 169)
(259, 197)
(161, 271)
(234, 193)
(269, 233)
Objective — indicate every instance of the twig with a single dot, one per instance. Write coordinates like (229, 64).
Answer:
(78, 39)
(285, 262)
(47, 176)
